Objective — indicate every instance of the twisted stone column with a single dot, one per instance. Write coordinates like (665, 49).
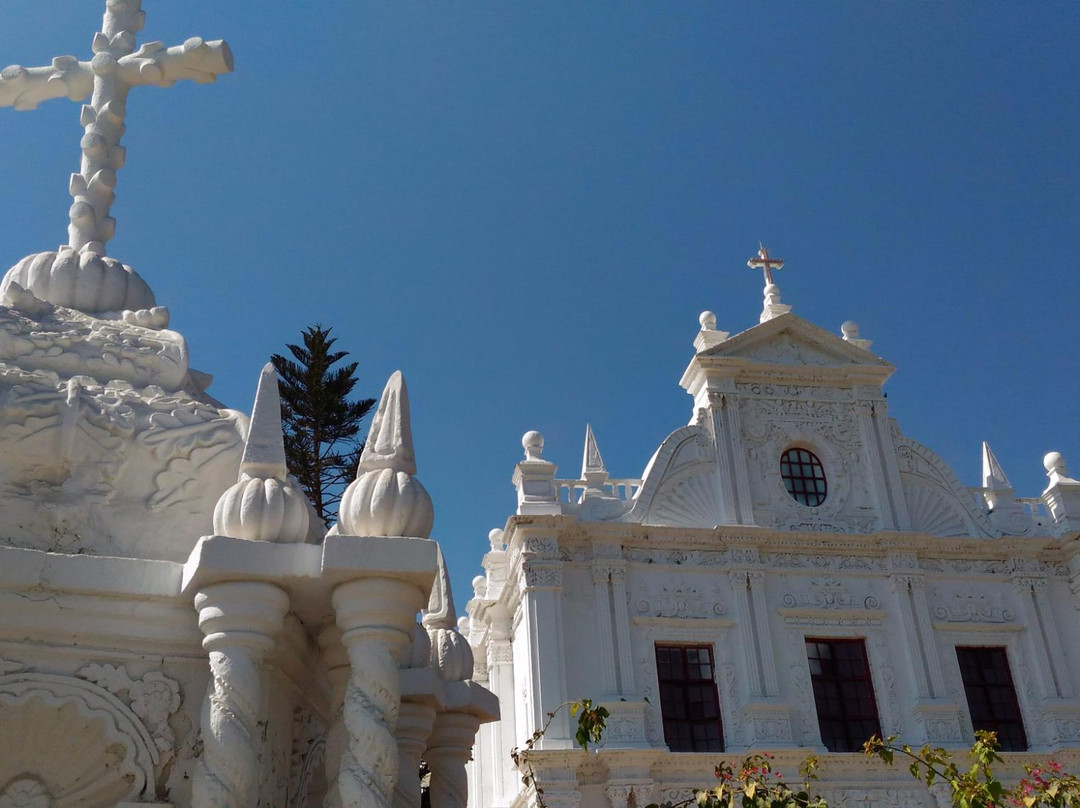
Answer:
(449, 749)
(414, 726)
(375, 616)
(239, 619)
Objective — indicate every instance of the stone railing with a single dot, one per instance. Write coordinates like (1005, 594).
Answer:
(625, 489)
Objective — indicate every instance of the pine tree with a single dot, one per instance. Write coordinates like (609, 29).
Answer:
(322, 427)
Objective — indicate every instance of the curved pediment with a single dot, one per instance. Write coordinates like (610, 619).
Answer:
(680, 487)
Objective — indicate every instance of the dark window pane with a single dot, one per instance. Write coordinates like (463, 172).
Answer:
(688, 699)
(991, 695)
(843, 693)
(803, 476)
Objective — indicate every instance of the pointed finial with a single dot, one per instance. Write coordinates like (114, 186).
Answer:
(264, 451)
(591, 461)
(389, 444)
(263, 505)
(386, 499)
(440, 612)
(993, 475)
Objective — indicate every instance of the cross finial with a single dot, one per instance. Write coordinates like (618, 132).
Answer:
(772, 306)
(115, 68)
(766, 262)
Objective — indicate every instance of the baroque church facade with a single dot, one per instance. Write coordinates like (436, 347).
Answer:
(790, 573)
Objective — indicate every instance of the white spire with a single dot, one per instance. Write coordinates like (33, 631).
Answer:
(263, 505)
(591, 462)
(993, 476)
(386, 499)
(264, 450)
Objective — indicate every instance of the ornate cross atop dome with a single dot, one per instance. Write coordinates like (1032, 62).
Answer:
(78, 275)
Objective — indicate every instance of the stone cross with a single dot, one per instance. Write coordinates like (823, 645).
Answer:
(115, 68)
(763, 261)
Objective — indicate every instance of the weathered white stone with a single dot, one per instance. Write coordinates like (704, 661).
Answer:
(386, 499)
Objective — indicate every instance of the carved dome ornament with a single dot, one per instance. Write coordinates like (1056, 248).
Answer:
(451, 654)
(386, 499)
(79, 275)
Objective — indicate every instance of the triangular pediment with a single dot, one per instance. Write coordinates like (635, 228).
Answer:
(790, 341)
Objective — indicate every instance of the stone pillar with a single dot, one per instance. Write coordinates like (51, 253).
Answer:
(413, 730)
(375, 615)
(448, 752)
(337, 671)
(605, 659)
(239, 619)
(622, 629)
(501, 682)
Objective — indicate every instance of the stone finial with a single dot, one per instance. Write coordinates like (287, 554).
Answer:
(1054, 463)
(440, 611)
(850, 331)
(708, 336)
(495, 538)
(263, 505)
(533, 444)
(534, 479)
(386, 499)
(993, 475)
(765, 262)
(591, 461)
(451, 655)
(593, 470)
(1062, 494)
(79, 275)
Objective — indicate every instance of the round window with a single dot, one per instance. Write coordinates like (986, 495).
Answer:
(804, 476)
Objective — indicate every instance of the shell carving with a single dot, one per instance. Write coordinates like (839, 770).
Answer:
(84, 281)
(386, 502)
(262, 509)
(451, 655)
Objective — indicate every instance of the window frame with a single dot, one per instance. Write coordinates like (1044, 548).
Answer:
(844, 717)
(667, 709)
(815, 484)
(996, 722)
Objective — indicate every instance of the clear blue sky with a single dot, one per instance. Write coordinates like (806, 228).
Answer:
(524, 206)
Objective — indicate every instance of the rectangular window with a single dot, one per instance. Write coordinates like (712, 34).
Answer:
(688, 699)
(991, 695)
(843, 693)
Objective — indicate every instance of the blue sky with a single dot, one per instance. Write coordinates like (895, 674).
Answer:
(524, 206)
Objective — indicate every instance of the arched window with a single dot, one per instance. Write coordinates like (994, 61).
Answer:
(804, 476)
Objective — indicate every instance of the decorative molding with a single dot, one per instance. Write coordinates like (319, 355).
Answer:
(154, 698)
(680, 601)
(542, 575)
(970, 608)
(828, 593)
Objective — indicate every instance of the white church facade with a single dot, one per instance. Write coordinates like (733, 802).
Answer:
(791, 573)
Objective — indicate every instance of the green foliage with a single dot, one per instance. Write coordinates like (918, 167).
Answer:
(977, 786)
(322, 427)
(754, 783)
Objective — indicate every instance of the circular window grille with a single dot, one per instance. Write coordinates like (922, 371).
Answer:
(804, 476)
